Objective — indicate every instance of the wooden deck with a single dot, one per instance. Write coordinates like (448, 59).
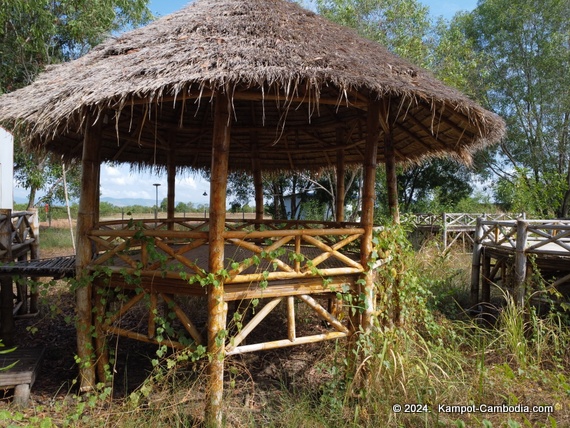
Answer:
(506, 253)
(54, 267)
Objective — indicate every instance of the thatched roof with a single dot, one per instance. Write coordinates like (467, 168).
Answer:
(297, 81)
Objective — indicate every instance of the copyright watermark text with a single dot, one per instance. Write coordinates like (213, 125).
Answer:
(473, 408)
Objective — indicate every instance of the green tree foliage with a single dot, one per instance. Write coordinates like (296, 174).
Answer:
(449, 184)
(401, 25)
(404, 27)
(240, 189)
(37, 33)
(525, 47)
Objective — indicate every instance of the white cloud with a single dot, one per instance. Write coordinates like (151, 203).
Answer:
(120, 182)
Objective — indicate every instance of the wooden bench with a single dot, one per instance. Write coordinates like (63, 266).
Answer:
(22, 375)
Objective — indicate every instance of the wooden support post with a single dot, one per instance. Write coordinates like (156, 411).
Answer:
(390, 158)
(100, 300)
(87, 216)
(486, 281)
(257, 180)
(6, 288)
(215, 292)
(444, 229)
(520, 262)
(171, 180)
(367, 218)
(340, 172)
(476, 263)
(35, 255)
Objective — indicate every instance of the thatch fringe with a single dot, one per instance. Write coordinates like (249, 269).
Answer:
(272, 53)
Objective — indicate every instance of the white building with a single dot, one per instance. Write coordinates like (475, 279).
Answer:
(6, 170)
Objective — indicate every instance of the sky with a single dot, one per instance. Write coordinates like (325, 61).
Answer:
(119, 183)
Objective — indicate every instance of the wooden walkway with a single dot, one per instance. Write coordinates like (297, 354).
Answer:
(453, 228)
(507, 253)
(55, 267)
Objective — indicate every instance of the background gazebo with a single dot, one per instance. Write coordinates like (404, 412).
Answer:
(259, 86)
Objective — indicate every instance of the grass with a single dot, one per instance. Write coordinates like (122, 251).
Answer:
(436, 357)
(55, 240)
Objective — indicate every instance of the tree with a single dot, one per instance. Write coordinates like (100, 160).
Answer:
(37, 33)
(525, 47)
(240, 188)
(449, 183)
(404, 27)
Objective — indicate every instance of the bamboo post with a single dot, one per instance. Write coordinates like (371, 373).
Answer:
(35, 255)
(6, 290)
(87, 216)
(171, 180)
(291, 334)
(486, 281)
(444, 219)
(476, 262)
(340, 172)
(257, 180)
(367, 218)
(215, 292)
(391, 177)
(520, 262)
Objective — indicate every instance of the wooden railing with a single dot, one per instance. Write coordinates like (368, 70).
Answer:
(517, 240)
(456, 226)
(449, 220)
(550, 237)
(18, 234)
(255, 250)
(283, 263)
(19, 241)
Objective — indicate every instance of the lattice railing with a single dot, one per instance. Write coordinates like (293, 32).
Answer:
(294, 253)
(461, 219)
(534, 236)
(17, 230)
(149, 246)
(255, 251)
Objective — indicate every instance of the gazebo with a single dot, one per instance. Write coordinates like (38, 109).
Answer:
(261, 86)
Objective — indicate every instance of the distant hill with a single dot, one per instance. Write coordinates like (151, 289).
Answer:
(127, 202)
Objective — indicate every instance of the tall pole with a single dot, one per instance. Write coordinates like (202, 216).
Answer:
(87, 216)
(217, 308)
(367, 218)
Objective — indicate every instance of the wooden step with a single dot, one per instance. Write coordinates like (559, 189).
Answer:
(22, 375)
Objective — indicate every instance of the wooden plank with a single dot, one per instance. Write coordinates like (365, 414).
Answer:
(27, 363)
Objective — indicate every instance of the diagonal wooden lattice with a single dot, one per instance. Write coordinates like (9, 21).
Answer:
(234, 344)
(113, 324)
(251, 255)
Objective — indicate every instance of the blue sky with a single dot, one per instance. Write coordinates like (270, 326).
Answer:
(120, 183)
(445, 8)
